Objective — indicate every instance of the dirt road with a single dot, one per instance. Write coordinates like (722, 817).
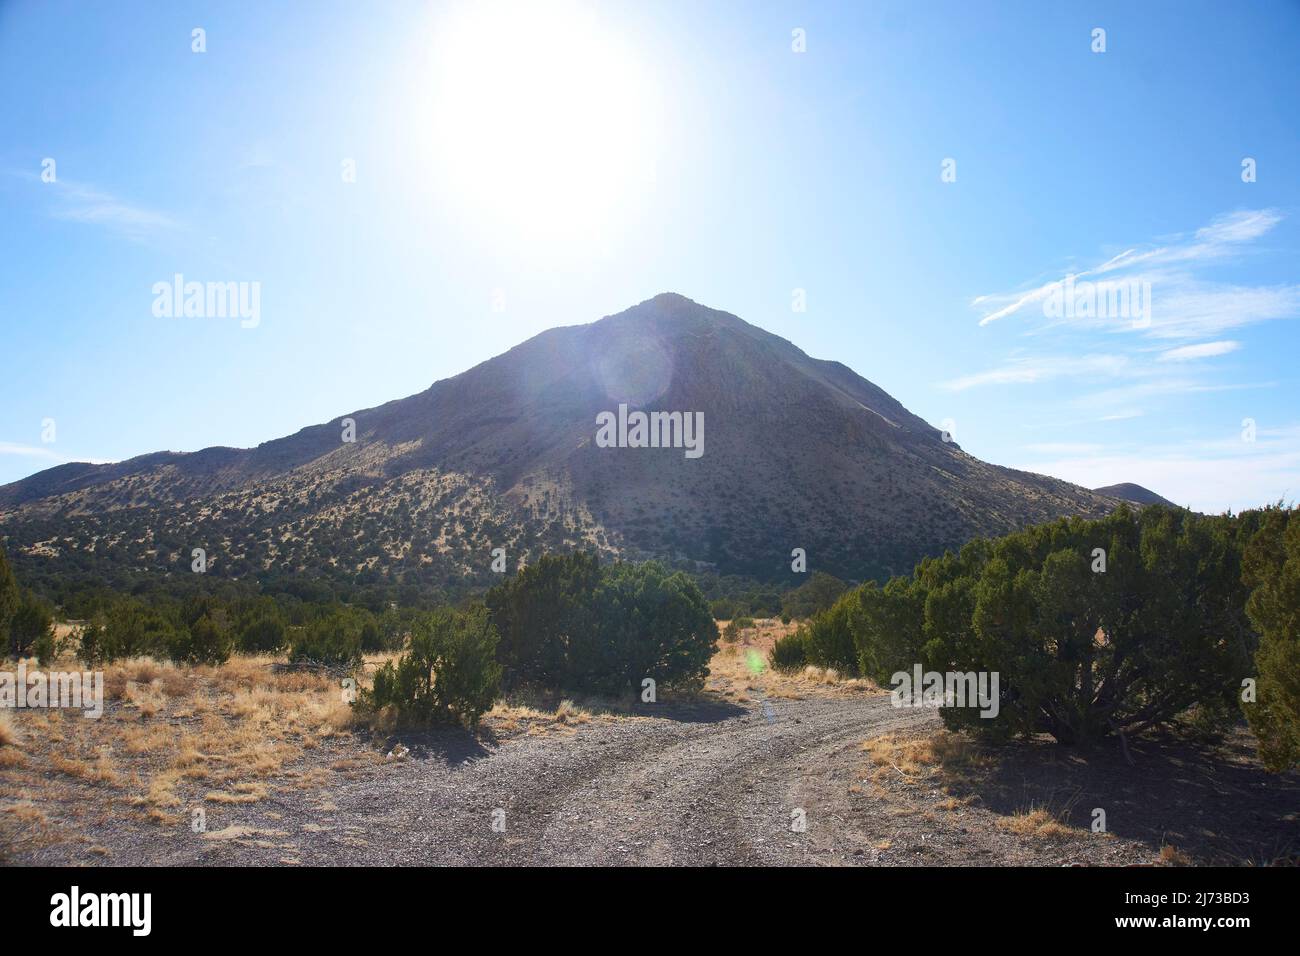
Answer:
(712, 785)
(715, 784)
(766, 782)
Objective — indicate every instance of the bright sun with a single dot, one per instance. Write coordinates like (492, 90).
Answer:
(544, 121)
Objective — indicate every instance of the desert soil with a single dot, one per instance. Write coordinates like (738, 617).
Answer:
(721, 783)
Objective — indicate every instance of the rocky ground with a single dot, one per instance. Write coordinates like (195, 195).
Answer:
(759, 781)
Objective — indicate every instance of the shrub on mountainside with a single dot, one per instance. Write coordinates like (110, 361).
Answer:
(331, 638)
(1080, 652)
(886, 624)
(9, 593)
(828, 638)
(1272, 569)
(262, 628)
(818, 593)
(448, 672)
(566, 623)
(789, 654)
(537, 613)
(32, 621)
(208, 640)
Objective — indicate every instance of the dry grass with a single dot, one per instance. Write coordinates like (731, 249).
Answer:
(172, 737)
(1172, 856)
(9, 733)
(535, 715)
(922, 758)
(1037, 823)
(739, 671)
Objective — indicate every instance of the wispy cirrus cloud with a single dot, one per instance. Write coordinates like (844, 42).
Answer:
(1025, 370)
(1231, 470)
(79, 202)
(27, 451)
(1190, 353)
(1186, 305)
(44, 452)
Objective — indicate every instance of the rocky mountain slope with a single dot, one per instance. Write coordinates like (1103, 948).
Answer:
(1135, 494)
(797, 453)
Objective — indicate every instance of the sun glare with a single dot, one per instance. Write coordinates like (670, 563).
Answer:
(544, 120)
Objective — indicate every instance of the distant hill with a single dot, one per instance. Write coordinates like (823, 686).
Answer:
(1127, 491)
(798, 453)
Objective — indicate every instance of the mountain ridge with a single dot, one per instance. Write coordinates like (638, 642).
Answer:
(798, 452)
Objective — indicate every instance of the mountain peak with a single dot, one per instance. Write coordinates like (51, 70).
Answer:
(795, 452)
(1134, 493)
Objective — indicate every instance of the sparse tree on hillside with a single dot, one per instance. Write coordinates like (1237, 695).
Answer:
(1272, 568)
(32, 620)
(9, 595)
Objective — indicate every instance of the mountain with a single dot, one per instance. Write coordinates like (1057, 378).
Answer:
(1127, 491)
(797, 453)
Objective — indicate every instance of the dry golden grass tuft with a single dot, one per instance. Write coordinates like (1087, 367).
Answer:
(248, 792)
(174, 736)
(9, 734)
(569, 713)
(918, 758)
(533, 714)
(1039, 824)
(165, 679)
(1172, 856)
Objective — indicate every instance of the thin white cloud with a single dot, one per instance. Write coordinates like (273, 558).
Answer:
(1027, 370)
(71, 201)
(77, 202)
(19, 450)
(1189, 353)
(1128, 395)
(27, 451)
(1183, 304)
(1213, 475)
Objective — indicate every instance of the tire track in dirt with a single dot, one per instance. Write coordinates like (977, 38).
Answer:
(688, 786)
(721, 795)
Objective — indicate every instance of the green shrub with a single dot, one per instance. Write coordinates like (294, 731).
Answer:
(567, 624)
(887, 628)
(46, 648)
(723, 609)
(1082, 653)
(537, 613)
(818, 593)
(207, 641)
(448, 673)
(828, 639)
(790, 653)
(9, 593)
(332, 639)
(262, 628)
(130, 628)
(1272, 569)
(91, 641)
(648, 623)
(32, 620)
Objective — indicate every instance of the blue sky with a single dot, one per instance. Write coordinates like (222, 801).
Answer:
(520, 170)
